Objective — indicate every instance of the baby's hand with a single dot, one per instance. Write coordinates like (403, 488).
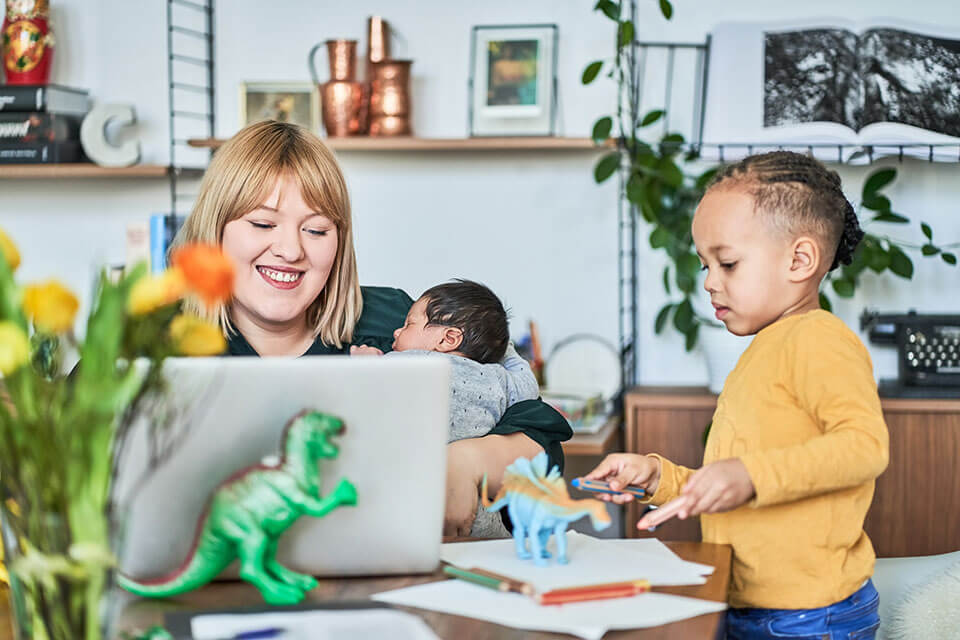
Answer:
(364, 350)
(622, 469)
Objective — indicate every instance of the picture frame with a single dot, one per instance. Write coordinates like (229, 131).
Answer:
(295, 102)
(513, 80)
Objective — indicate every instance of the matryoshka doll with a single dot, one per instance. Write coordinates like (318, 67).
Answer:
(27, 42)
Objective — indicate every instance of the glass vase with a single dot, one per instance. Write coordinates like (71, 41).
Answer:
(57, 587)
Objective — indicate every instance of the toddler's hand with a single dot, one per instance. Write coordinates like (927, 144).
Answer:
(720, 486)
(364, 350)
(622, 469)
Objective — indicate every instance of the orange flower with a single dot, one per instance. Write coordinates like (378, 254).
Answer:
(208, 272)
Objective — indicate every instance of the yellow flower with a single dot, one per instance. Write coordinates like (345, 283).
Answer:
(152, 292)
(14, 348)
(9, 251)
(50, 306)
(193, 336)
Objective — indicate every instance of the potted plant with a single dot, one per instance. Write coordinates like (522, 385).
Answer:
(61, 427)
(659, 189)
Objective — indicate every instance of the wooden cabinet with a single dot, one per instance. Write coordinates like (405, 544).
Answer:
(916, 506)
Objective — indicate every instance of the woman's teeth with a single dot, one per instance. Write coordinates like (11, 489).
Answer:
(281, 276)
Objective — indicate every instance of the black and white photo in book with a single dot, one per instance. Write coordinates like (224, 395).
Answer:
(882, 75)
(834, 88)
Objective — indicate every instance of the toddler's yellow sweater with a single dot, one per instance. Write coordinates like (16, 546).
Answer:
(801, 411)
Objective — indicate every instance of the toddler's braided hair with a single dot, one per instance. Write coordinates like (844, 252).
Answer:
(798, 194)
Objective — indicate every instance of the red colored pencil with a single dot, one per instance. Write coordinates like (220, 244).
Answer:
(594, 592)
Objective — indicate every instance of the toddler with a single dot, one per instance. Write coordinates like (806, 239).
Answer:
(798, 436)
(465, 322)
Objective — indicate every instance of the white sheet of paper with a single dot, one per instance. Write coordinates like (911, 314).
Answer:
(321, 624)
(589, 620)
(592, 561)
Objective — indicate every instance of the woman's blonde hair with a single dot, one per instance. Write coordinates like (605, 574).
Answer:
(240, 177)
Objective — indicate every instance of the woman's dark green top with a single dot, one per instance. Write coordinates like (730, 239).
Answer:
(384, 310)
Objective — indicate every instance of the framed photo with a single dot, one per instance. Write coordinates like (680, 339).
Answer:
(296, 102)
(513, 82)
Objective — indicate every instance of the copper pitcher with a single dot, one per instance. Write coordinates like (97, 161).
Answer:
(343, 100)
(390, 98)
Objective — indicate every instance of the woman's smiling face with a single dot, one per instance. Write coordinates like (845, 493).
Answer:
(284, 251)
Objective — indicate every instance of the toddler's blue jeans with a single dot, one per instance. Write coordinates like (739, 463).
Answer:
(855, 618)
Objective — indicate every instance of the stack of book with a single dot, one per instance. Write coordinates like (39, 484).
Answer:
(41, 123)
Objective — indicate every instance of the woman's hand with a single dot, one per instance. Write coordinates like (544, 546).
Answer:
(467, 461)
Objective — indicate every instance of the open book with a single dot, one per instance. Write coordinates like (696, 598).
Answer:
(829, 83)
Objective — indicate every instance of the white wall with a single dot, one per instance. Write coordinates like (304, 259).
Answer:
(533, 226)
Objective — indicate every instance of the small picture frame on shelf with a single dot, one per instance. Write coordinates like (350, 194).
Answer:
(295, 102)
(513, 81)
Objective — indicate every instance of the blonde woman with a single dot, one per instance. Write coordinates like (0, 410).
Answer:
(275, 199)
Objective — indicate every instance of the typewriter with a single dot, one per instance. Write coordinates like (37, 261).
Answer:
(928, 352)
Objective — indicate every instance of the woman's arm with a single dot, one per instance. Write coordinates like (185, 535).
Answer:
(467, 462)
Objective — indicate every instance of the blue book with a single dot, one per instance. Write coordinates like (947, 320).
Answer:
(163, 229)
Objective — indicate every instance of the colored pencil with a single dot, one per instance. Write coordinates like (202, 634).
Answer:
(517, 586)
(476, 578)
(594, 592)
(597, 486)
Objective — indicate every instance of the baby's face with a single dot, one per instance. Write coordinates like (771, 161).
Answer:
(415, 334)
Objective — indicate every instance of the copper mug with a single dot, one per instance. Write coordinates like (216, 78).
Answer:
(343, 100)
(390, 98)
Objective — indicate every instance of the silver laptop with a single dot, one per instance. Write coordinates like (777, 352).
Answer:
(230, 415)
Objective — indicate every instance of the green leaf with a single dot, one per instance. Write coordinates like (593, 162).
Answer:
(683, 318)
(900, 263)
(601, 129)
(609, 8)
(666, 279)
(878, 180)
(689, 263)
(626, 32)
(927, 231)
(825, 302)
(590, 73)
(666, 9)
(876, 202)
(949, 258)
(651, 117)
(636, 189)
(670, 173)
(929, 250)
(606, 166)
(704, 178)
(691, 336)
(843, 287)
(889, 216)
(662, 317)
(876, 258)
(660, 237)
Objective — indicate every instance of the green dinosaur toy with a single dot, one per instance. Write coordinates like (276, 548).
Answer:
(250, 511)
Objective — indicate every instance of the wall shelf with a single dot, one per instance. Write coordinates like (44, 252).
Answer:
(88, 170)
(367, 143)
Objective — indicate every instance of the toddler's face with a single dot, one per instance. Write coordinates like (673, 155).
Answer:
(747, 262)
(415, 334)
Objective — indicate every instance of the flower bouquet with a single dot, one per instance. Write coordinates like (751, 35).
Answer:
(61, 426)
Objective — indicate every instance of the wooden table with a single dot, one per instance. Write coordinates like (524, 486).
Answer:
(145, 613)
(595, 444)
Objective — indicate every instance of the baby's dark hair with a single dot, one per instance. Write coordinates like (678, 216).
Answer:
(798, 194)
(476, 311)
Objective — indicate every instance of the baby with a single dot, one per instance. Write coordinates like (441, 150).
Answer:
(467, 323)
